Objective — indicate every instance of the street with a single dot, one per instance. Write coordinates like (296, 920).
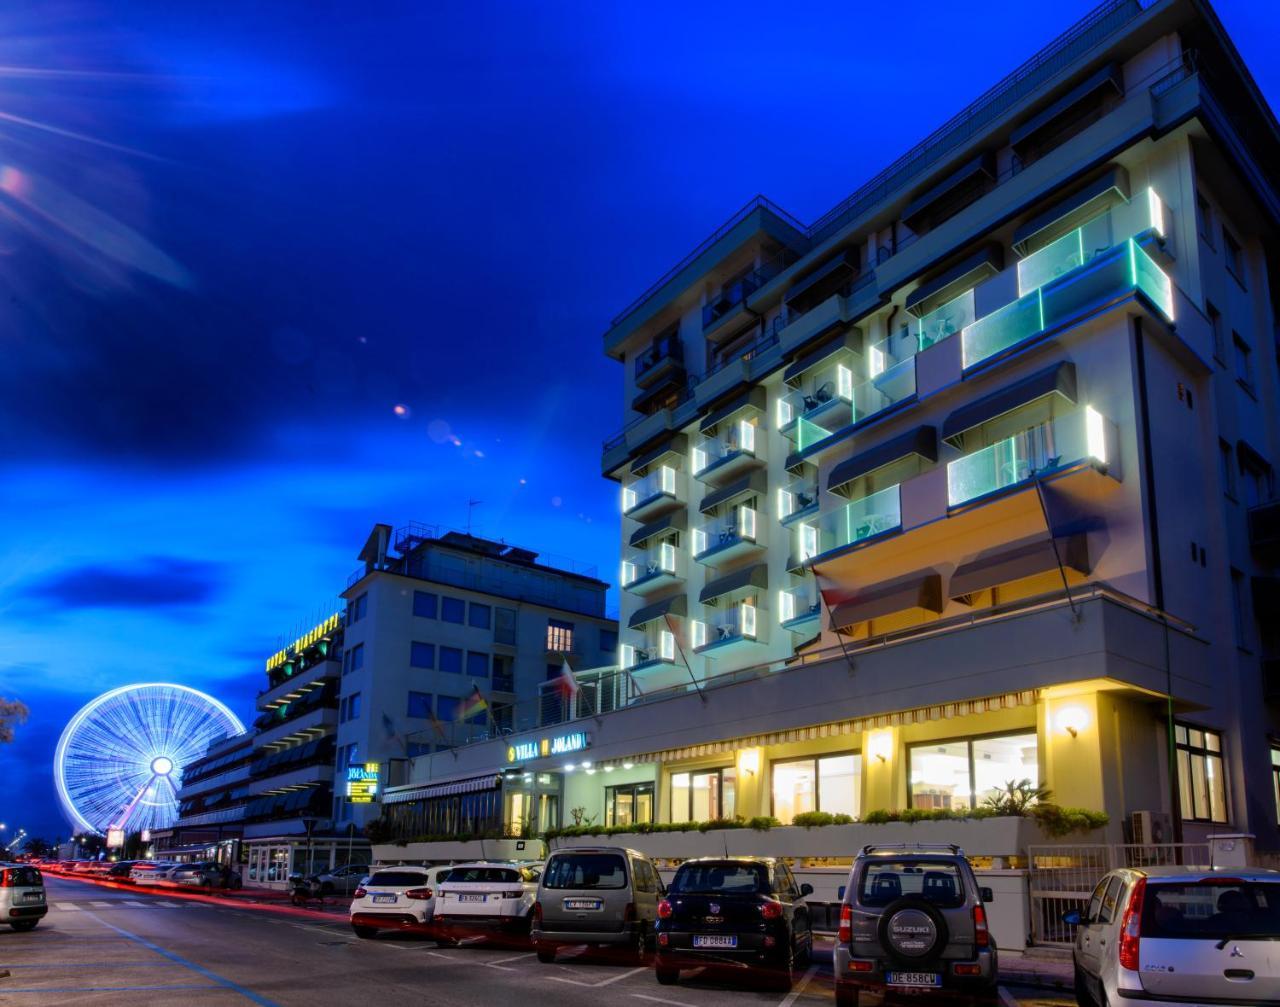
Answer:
(100, 945)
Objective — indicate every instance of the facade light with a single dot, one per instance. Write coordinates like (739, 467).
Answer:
(628, 765)
(880, 745)
(1095, 434)
(1072, 720)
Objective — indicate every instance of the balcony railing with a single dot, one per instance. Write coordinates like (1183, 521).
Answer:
(855, 522)
(643, 492)
(655, 355)
(736, 531)
(743, 622)
(945, 321)
(659, 647)
(739, 440)
(728, 299)
(661, 560)
(1060, 443)
(796, 499)
(798, 605)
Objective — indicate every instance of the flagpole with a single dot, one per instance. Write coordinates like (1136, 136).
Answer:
(1053, 542)
(676, 637)
(830, 616)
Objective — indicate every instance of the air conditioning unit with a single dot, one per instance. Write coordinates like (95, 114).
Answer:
(1151, 828)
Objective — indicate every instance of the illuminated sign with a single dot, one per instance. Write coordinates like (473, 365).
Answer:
(115, 838)
(362, 783)
(306, 640)
(559, 744)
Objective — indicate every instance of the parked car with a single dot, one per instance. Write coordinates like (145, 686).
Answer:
(121, 870)
(486, 897)
(734, 911)
(596, 895)
(396, 898)
(1161, 935)
(152, 872)
(22, 901)
(95, 868)
(913, 920)
(342, 880)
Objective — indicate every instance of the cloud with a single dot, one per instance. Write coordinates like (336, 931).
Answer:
(157, 582)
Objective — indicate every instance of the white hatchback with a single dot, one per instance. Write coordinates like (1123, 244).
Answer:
(487, 898)
(396, 898)
(22, 901)
(152, 872)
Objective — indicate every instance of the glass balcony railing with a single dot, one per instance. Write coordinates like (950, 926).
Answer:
(656, 485)
(662, 559)
(855, 522)
(738, 440)
(796, 498)
(657, 647)
(945, 320)
(741, 527)
(1119, 270)
(799, 604)
(822, 406)
(739, 622)
(1059, 443)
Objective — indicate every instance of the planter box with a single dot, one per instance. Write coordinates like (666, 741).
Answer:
(474, 849)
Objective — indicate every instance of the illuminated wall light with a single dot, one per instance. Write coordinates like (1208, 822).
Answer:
(627, 655)
(783, 412)
(1095, 434)
(876, 361)
(1155, 207)
(749, 621)
(628, 572)
(749, 760)
(784, 502)
(699, 632)
(667, 645)
(586, 764)
(747, 523)
(668, 479)
(628, 498)
(628, 765)
(786, 606)
(667, 557)
(747, 436)
(808, 541)
(699, 541)
(880, 745)
(844, 382)
(1072, 720)
(608, 769)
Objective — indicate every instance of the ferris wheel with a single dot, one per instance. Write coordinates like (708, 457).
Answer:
(119, 761)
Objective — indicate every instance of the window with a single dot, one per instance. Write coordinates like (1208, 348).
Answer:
(1110, 900)
(608, 640)
(504, 626)
(353, 659)
(559, 635)
(830, 783)
(628, 804)
(422, 655)
(1215, 323)
(1256, 476)
(886, 881)
(425, 604)
(1226, 468)
(352, 704)
(1239, 609)
(960, 775)
(577, 871)
(419, 704)
(357, 609)
(347, 755)
(704, 795)
(1201, 780)
(477, 664)
(1205, 212)
(452, 609)
(451, 660)
(1234, 255)
(503, 680)
(1244, 362)
(479, 615)
(447, 708)
(727, 877)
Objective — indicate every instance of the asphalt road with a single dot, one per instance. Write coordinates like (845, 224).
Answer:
(104, 946)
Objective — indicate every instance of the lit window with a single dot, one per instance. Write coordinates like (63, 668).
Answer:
(703, 795)
(961, 775)
(830, 783)
(1202, 781)
(559, 636)
(629, 804)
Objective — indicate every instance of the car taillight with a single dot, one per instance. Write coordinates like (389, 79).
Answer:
(7, 879)
(981, 935)
(1131, 927)
(537, 912)
(361, 893)
(845, 934)
(629, 913)
(664, 910)
(418, 893)
(771, 910)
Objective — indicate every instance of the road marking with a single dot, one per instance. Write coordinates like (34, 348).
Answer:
(169, 905)
(108, 989)
(794, 995)
(506, 968)
(67, 907)
(1006, 998)
(660, 1000)
(607, 982)
(102, 905)
(136, 904)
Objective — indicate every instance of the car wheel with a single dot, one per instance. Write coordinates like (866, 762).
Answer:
(365, 932)
(326, 889)
(545, 955)
(667, 977)
(24, 925)
(787, 968)
(1083, 997)
(640, 949)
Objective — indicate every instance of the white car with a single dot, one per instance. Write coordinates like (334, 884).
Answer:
(22, 901)
(152, 872)
(487, 897)
(396, 898)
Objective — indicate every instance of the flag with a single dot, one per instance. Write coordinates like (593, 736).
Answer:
(389, 727)
(435, 723)
(568, 680)
(473, 705)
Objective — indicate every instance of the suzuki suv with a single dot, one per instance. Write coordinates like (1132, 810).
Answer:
(912, 921)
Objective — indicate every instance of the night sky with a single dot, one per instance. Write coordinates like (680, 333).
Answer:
(233, 241)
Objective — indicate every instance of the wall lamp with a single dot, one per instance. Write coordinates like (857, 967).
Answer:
(1072, 719)
(880, 745)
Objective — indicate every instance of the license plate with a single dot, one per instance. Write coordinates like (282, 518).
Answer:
(583, 903)
(472, 898)
(384, 898)
(913, 978)
(33, 896)
(715, 941)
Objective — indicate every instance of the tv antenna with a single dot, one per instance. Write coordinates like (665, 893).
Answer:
(471, 505)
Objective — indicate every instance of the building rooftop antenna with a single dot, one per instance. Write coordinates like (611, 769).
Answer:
(471, 505)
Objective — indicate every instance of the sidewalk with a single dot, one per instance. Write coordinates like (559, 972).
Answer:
(1049, 968)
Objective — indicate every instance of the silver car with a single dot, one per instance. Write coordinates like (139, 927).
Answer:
(1179, 935)
(22, 901)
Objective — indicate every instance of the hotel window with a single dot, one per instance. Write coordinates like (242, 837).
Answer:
(1205, 213)
(608, 641)
(504, 626)
(451, 660)
(479, 616)
(503, 679)
(1239, 609)
(830, 783)
(447, 708)
(419, 704)
(1275, 779)
(628, 804)
(1227, 469)
(358, 608)
(960, 775)
(704, 795)
(422, 655)
(1256, 476)
(453, 609)
(559, 635)
(353, 659)
(477, 664)
(1244, 362)
(1234, 255)
(353, 706)
(1215, 323)
(1201, 780)
(425, 604)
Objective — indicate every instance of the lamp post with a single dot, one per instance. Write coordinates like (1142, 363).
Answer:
(309, 823)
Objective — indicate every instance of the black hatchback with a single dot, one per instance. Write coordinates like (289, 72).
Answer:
(741, 912)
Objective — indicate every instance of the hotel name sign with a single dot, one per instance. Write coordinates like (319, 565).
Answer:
(362, 783)
(542, 748)
(325, 628)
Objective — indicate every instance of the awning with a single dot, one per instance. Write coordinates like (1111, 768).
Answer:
(1060, 379)
(1024, 559)
(474, 784)
(922, 589)
(1110, 77)
(753, 576)
(753, 398)
(1069, 212)
(814, 357)
(677, 444)
(922, 441)
(824, 281)
(969, 175)
(954, 281)
(675, 521)
(753, 482)
(677, 604)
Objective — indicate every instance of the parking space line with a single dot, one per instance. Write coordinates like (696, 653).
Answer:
(69, 907)
(1006, 998)
(506, 968)
(606, 982)
(101, 905)
(794, 995)
(660, 1000)
(107, 989)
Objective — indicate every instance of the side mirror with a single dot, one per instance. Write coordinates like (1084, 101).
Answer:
(987, 894)
(806, 889)
(1072, 918)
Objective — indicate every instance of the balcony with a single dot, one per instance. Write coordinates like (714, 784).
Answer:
(659, 366)
(728, 300)
(736, 628)
(730, 452)
(800, 608)
(797, 499)
(658, 649)
(858, 521)
(945, 321)
(809, 414)
(652, 496)
(1106, 277)
(313, 723)
(649, 570)
(290, 687)
(719, 540)
(1083, 437)
(1264, 529)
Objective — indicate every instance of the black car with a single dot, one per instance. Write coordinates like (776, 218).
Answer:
(734, 911)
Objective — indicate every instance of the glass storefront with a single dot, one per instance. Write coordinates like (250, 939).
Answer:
(960, 775)
(531, 803)
(628, 804)
(703, 795)
(830, 783)
(269, 864)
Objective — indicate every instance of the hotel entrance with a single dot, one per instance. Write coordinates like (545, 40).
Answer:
(531, 802)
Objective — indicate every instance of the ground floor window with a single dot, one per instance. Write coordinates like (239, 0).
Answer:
(960, 775)
(831, 783)
(1202, 782)
(703, 795)
(628, 804)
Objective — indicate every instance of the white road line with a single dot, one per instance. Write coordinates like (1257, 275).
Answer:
(102, 905)
(660, 1000)
(136, 904)
(1007, 998)
(607, 982)
(169, 905)
(506, 968)
(69, 907)
(794, 995)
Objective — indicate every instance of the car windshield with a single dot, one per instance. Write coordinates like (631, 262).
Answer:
(396, 879)
(721, 878)
(481, 875)
(1216, 909)
(938, 883)
(586, 871)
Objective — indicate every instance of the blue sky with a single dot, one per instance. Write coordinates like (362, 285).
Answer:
(232, 243)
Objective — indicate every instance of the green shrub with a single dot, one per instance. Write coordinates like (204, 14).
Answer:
(809, 819)
(763, 823)
(842, 819)
(1058, 821)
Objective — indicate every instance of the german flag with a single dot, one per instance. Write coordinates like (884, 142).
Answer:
(474, 705)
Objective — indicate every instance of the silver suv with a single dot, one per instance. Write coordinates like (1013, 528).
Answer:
(912, 921)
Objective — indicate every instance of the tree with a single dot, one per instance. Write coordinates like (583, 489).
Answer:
(38, 847)
(12, 713)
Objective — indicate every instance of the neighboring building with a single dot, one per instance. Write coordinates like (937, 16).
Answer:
(211, 805)
(1013, 406)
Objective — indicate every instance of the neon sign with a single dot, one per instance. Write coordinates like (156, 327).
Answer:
(362, 783)
(305, 641)
(559, 744)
